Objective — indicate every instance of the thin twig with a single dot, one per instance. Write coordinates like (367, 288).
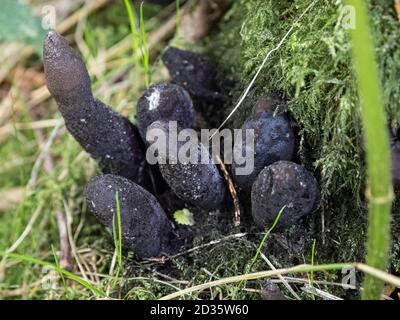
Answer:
(65, 248)
(41, 124)
(319, 282)
(252, 276)
(378, 274)
(285, 283)
(318, 292)
(24, 52)
(232, 190)
(43, 154)
(211, 243)
(80, 14)
(72, 242)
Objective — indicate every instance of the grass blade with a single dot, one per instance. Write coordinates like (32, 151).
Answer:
(292, 270)
(119, 230)
(178, 16)
(117, 233)
(379, 192)
(145, 53)
(96, 291)
(312, 264)
(135, 36)
(266, 236)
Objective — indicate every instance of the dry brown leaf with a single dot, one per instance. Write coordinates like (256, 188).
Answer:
(29, 78)
(196, 24)
(10, 198)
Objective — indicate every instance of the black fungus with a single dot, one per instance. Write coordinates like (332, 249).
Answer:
(144, 224)
(166, 102)
(193, 72)
(273, 141)
(106, 135)
(283, 183)
(195, 183)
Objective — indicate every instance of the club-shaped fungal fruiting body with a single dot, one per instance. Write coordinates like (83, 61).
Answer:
(195, 182)
(167, 102)
(287, 185)
(194, 73)
(106, 135)
(273, 141)
(145, 227)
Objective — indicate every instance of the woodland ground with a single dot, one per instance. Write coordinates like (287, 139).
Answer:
(311, 71)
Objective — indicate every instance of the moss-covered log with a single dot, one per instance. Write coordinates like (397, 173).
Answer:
(312, 71)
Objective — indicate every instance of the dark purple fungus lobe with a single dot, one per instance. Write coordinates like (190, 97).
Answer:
(283, 183)
(144, 224)
(193, 72)
(199, 184)
(273, 141)
(167, 102)
(106, 135)
(395, 151)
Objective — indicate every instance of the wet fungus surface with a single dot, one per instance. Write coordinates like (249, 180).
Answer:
(194, 73)
(145, 227)
(106, 135)
(167, 102)
(194, 182)
(273, 141)
(283, 184)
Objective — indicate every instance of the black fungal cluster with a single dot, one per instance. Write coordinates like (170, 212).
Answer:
(276, 184)
(273, 140)
(119, 147)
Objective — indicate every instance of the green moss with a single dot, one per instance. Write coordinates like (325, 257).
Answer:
(313, 72)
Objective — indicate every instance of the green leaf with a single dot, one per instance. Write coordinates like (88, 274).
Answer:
(19, 24)
(184, 217)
